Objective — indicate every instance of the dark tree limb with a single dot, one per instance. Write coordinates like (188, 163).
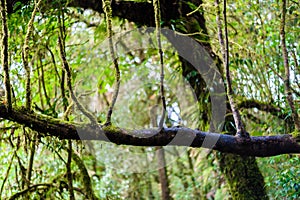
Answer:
(129, 9)
(139, 12)
(262, 106)
(263, 146)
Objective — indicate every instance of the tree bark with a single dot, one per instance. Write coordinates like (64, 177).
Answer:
(243, 177)
(162, 171)
(261, 146)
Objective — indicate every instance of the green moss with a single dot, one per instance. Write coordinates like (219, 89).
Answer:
(296, 134)
(111, 129)
(243, 177)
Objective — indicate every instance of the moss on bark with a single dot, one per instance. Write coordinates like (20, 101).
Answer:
(243, 177)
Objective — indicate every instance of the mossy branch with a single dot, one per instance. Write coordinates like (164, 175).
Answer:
(108, 15)
(263, 146)
(287, 84)
(69, 171)
(66, 67)
(87, 183)
(157, 14)
(34, 144)
(25, 55)
(241, 132)
(4, 54)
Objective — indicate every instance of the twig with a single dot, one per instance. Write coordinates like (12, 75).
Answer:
(297, 69)
(7, 173)
(31, 188)
(197, 9)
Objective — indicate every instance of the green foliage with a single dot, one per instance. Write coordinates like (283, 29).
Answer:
(256, 66)
(282, 176)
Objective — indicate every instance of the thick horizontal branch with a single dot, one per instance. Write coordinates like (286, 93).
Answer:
(139, 12)
(263, 146)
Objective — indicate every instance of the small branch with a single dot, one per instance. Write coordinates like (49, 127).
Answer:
(66, 66)
(225, 52)
(297, 71)
(4, 54)
(194, 11)
(255, 119)
(69, 171)
(31, 188)
(43, 82)
(295, 61)
(108, 15)
(7, 173)
(156, 6)
(25, 55)
(31, 158)
(282, 78)
(82, 19)
(262, 106)
(54, 63)
(287, 87)
(87, 183)
(63, 90)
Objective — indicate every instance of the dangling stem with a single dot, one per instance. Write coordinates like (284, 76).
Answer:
(31, 159)
(4, 55)
(287, 86)
(69, 171)
(25, 55)
(66, 66)
(156, 5)
(108, 16)
(225, 53)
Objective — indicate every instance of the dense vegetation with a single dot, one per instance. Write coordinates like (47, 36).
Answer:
(95, 70)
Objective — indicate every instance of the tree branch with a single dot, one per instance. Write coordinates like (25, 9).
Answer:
(287, 81)
(263, 146)
(262, 106)
(139, 12)
(4, 53)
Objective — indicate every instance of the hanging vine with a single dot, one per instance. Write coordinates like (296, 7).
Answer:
(225, 53)
(156, 5)
(67, 69)
(34, 144)
(25, 54)
(69, 171)
(4, 54)
(287, 84)
(108, 15)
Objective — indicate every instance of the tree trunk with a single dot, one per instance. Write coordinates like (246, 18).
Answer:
(161, 160)
(243, 177)
(163, 177)
(242, 173)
